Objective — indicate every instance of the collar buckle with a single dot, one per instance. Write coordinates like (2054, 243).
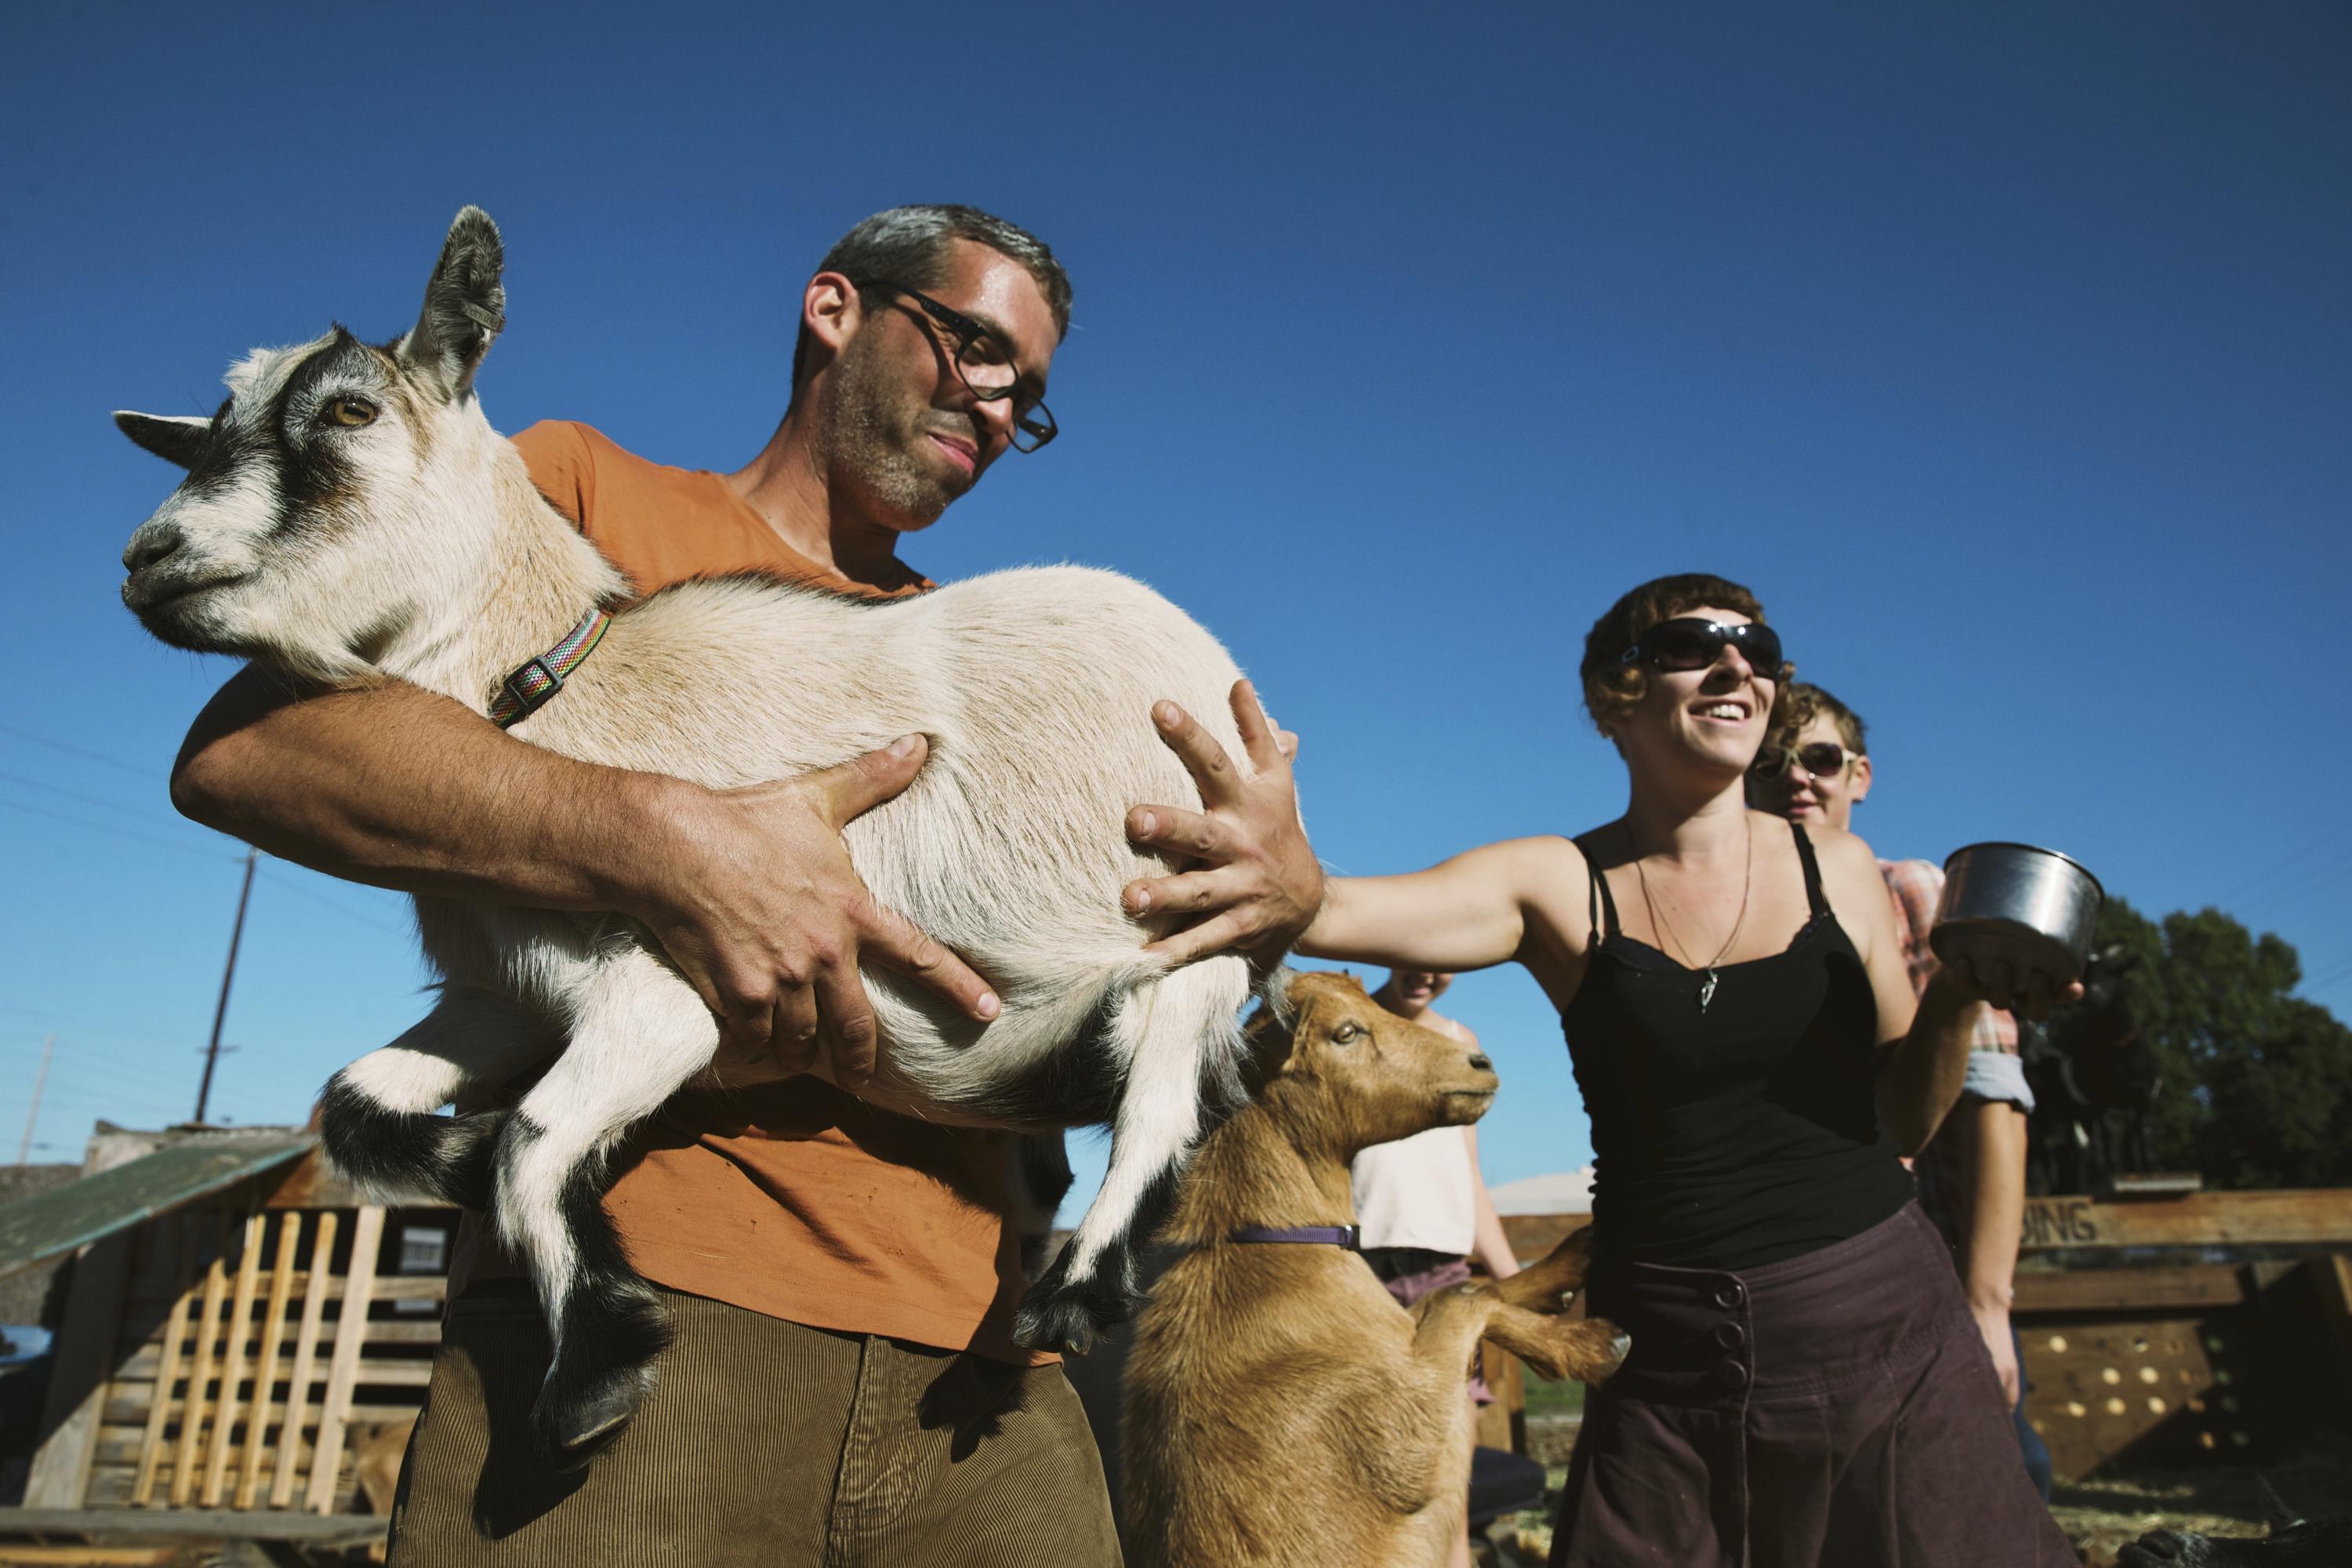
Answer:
(529, 689)
(541, 676)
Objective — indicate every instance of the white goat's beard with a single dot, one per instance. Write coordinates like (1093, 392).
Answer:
(871, 433)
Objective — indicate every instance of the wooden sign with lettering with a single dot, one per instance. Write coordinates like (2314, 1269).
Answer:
(2196, 1219)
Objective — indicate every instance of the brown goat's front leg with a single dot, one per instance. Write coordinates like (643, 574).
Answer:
(1589, 1349)
(1521, 1314)
(1561, 1272)
(1449, 1323)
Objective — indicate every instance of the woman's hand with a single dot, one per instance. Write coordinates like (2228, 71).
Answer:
(1996, 982)
(1993, 1323)
(1257, 884)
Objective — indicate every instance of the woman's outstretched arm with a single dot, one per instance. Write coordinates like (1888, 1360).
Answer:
(1249, 852)
(1469, 912)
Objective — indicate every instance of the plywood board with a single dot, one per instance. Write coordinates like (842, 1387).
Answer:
(76, 1394)
(2168, 1391)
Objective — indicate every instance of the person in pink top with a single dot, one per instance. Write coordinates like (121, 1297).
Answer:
(1815, 768)
(1421, 1201)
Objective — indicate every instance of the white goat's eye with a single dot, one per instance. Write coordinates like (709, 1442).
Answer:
(351, 412)
(1346, 1033)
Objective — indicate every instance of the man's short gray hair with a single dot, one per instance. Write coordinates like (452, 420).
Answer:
(913, 247)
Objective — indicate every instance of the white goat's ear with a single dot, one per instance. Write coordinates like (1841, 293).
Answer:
(173, 439)
(465, 307)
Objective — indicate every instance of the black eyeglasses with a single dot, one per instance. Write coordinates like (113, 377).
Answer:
(1689, 643)
(984, 365)
(1822, 759)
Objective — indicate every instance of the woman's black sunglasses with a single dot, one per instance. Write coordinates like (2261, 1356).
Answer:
(1688, 643)
(1822, 759)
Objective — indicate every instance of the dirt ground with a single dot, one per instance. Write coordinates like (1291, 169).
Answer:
(2101, 1515)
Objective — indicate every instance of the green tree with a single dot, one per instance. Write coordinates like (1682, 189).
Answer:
(2257, 1083)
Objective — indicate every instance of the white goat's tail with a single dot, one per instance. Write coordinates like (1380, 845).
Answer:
(1180, 1037)
(379, 1121)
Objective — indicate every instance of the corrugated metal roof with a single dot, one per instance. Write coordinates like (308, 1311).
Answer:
(79, 1213)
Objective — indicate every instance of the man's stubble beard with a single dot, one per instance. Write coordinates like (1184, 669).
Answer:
(869, 437)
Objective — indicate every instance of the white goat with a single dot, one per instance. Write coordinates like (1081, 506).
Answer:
(349, 512)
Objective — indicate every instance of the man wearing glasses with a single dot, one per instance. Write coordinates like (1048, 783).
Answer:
(841, 1389)
(1815, 768)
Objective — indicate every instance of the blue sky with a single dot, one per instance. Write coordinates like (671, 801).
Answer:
(2003, 349)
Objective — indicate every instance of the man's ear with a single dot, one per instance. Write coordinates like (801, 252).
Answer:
(831, 310)
(1861, 779)
(174, 439)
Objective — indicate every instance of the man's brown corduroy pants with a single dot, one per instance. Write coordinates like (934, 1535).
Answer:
(764, 1443)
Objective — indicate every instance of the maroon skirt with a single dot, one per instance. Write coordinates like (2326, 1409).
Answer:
(1829, 1410)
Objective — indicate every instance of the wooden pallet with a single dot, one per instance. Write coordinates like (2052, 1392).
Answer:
(222, 1359)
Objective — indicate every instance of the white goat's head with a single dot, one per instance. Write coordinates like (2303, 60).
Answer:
(334, 489)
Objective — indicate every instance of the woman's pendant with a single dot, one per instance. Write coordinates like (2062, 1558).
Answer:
(1706, 991)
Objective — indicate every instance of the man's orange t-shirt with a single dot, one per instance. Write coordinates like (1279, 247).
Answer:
(794, 1199)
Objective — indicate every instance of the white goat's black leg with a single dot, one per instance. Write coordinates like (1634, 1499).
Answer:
(378, 1118)
(639, 1034)
(1180, 1035)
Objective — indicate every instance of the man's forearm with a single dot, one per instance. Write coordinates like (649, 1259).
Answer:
(1997, 1207)
(1921, 1078)
(400, 787)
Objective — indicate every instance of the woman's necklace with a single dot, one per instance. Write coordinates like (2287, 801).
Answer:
(1748, 882)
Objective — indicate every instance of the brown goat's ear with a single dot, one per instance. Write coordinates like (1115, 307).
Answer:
(1271, 1034)
(465, 307)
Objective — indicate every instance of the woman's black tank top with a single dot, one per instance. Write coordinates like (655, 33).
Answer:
(1744, 1134)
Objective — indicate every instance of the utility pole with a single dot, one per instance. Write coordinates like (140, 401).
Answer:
(40, 1081)
(236, 935)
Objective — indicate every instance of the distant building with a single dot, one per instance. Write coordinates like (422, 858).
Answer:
(1562, 1192)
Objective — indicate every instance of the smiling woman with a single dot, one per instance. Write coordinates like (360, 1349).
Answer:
(1653, 628)
(1752, 1058)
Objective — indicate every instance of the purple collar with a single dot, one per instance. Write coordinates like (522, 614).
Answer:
(1347, 1235)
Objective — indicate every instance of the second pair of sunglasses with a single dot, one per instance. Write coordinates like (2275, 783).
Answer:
(1689, 643)
(1822, 759)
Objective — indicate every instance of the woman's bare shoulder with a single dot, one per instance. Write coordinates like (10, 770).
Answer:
(1536, 864)
(1552, 879)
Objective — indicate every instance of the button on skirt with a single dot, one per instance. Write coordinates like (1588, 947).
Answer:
(1834, 1409)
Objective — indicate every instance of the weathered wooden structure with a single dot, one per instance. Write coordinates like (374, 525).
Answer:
(224, 1349)
(2170, 1331)
(2162, 1329)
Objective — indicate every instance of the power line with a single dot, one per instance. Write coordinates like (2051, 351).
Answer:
(109, 1025)
(40, 1082)
(2335, 974)
(108, 1071)
(66, 746)
(291, 886)
(118, 832)
(151, 819)
(2321, 877)
(2300, 858)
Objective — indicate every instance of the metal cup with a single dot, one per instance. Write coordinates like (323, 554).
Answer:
(2032, 908)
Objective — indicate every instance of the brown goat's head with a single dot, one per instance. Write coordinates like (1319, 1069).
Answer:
(1341, 1072)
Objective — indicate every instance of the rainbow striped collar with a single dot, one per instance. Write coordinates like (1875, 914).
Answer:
(527, 690)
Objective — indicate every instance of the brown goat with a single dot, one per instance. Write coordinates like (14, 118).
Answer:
(1281, 1408)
